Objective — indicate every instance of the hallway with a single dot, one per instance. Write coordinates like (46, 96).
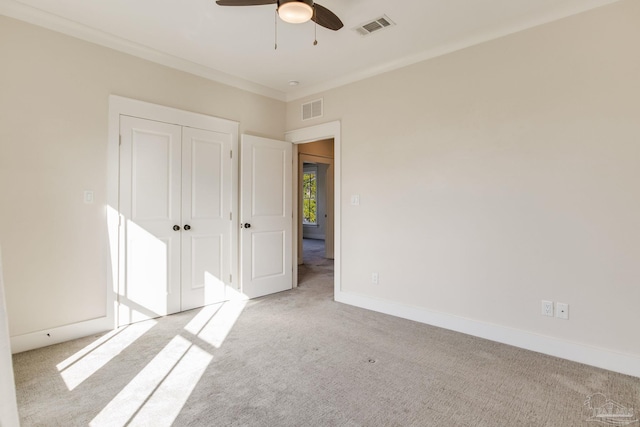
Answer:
(315, 266)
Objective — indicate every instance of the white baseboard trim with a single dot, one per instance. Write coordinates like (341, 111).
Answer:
(613, 361)
(33, 340)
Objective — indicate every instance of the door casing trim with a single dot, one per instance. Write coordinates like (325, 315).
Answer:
(315, 133)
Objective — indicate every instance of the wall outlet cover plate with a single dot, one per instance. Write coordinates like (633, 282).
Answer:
(547, 308)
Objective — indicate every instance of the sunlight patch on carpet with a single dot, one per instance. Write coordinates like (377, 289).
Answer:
(164, 406)
(86, 362)
(201, 319)
(221, 323)
(157, 394)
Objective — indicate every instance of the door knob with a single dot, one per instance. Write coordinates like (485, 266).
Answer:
(247, 225)
(176, 228)
(187, 227)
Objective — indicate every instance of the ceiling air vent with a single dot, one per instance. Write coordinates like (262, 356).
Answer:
(312, 109)
(375, 25)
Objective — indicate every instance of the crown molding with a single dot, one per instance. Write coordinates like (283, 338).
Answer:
(444, 49)
(17, 10)
(35, 16)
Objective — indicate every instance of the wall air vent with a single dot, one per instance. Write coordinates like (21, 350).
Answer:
(374, 25)
(312, 110)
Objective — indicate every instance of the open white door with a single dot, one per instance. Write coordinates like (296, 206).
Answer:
(266, 216)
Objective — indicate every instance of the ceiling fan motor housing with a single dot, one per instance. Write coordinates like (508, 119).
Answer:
(309, 2)
(295, 11)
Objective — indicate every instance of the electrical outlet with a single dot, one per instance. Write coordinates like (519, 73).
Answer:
(562, 311)
(375, 279)
(547, 308)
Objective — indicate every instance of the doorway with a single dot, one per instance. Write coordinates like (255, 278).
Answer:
(315, 243)
(331, 130)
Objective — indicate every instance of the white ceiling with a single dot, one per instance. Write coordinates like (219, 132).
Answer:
(235, 45)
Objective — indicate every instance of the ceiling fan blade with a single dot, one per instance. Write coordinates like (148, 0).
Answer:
(245, 2)
(326, 18)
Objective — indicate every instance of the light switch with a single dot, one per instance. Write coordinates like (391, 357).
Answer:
(88, 197)
(355, 200)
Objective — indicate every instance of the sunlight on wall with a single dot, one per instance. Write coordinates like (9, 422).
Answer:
(176, 368)
(82, 365)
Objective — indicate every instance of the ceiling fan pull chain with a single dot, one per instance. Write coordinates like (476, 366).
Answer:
(315, 41)
(315, 26)
(276, 27)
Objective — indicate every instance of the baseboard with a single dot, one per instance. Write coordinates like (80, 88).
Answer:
(602, 358)
(46, 337)
(20, 343)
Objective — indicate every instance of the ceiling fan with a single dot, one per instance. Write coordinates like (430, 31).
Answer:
(295, 11)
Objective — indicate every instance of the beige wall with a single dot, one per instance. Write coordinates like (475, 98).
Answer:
(501, 175)
(53, 145)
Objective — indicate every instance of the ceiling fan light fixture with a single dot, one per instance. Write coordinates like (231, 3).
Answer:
(295, 11)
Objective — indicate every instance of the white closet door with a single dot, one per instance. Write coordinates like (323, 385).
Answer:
(206, 220)
(266, 216)
(150, 188)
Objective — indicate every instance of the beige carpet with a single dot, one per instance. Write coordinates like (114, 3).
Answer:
(300, 359)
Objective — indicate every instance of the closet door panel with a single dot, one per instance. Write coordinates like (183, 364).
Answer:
(150, 203)
(206, 211)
